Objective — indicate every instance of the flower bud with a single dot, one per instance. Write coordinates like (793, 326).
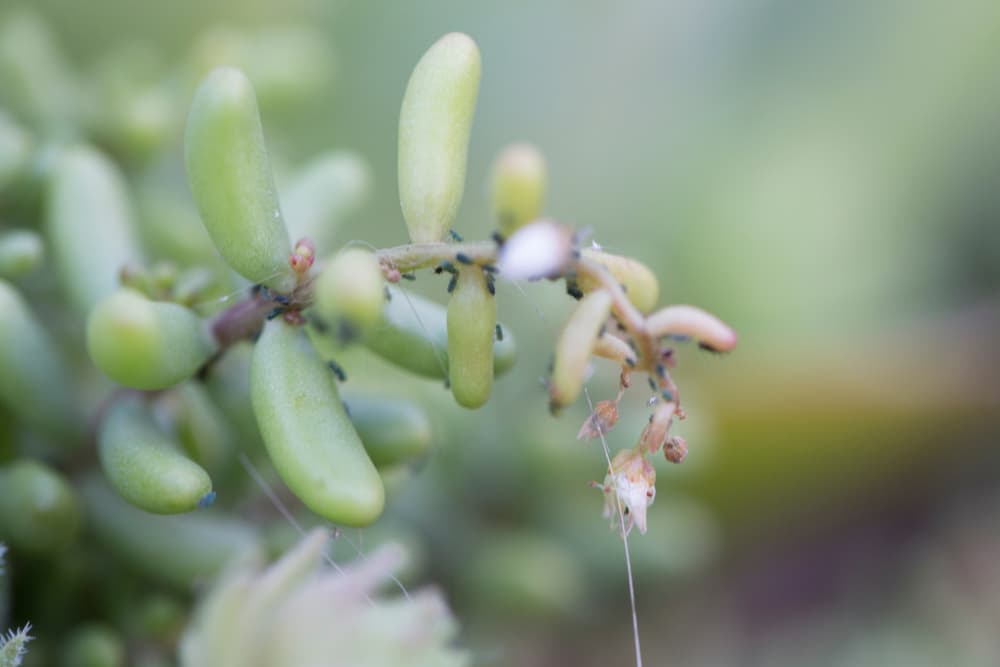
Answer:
(434, 125)
(518, 187)
(542, 249)
(707, 329)
(675, 449)
(574, 347)
(640, 284)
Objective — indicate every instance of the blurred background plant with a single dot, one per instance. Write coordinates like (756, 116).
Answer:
(822, 175)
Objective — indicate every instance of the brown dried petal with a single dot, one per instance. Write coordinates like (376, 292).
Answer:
(600, 421)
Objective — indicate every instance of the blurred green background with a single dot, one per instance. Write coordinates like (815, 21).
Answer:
(823, 176)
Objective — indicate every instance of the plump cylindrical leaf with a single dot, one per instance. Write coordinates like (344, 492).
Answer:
(518, 187)
(323, 194)
(21, 252)
(349, 292)
(202, 428)
(15, 151)
(33, 371)
(230, 177)
(146, 344)
(308, 434)
(393, 430)
(39, 511)
(413, 334)
(145, 465)
(434, 125)
(472, 321)
(94, 645)
(575, 345)
(89, 226)
(640, 284)
(177, 549)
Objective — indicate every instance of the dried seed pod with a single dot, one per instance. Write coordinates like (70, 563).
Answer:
(694, 322)
(472, 319)
(675, 449)
(230, 177)
(575, 345)
(434, 125)
(145, 465)
(518, 187)
(641, 285)
(146, 344)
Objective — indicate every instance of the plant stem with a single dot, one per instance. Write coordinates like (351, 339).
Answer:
(404, 258)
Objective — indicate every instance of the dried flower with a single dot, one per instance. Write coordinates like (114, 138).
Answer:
(631, 485)
(600, 421)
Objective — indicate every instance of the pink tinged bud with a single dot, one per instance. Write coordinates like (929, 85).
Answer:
(611, 347)
(302, 256)
(655, 433)
(542, 249)
(630, 484)
(675, 449)
(707, 329)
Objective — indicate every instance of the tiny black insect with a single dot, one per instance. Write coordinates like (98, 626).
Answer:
(497, 238)
(337, 370)
(708, 348)
(652, 384)
(274, 313)
(499, 332)
(462, 258)
(455, 235)
(407, 276)
(452, 283)
(445, 266)
(490, 285)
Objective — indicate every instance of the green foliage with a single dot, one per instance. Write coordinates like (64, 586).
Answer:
(211, 366)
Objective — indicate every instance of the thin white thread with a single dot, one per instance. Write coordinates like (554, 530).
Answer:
(427, 334)
(283, 510)
(628, 557)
